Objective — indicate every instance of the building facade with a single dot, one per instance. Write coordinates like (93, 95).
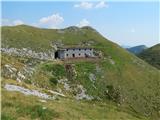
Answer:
(74, 53)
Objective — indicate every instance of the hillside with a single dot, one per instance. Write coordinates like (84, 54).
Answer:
(19, 104)
(137, 49)
(118, 78)
(152, 56)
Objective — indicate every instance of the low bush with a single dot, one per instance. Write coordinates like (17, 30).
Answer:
(113, 94)
(53, 81)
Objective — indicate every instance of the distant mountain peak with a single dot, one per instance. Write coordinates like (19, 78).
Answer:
(137, 49)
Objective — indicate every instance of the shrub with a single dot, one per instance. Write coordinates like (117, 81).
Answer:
(57, 70)
(48, 67)
(113, 94)
(28, 81)
(53, 80)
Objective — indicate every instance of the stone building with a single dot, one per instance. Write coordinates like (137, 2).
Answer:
(74, 53)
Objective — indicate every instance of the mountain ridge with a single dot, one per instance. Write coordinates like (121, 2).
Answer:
(137, 49)
(152, 55)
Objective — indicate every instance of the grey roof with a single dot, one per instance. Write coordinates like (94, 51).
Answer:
(74, 48)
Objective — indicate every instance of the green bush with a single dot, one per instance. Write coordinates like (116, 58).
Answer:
(113, 94)
(53, 81)
(57, 70)
(48, 67)
(28, 81)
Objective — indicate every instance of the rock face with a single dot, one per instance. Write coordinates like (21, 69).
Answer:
(27, 91)
(92, 77)
(79, 90)
(81, 93)
(8, 71)
(29, 53)
(65, 83)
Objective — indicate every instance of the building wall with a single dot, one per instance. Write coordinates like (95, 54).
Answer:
(78, 52)
(75, 53)
(61, 54)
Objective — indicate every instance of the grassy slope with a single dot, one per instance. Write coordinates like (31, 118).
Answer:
(16, 106)
(152, 56)
(137, 82)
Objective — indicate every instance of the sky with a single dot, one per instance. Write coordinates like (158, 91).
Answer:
(125, 23)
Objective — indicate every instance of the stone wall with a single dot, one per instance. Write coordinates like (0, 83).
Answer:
(76, 53)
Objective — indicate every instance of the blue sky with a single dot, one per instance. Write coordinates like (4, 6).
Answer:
(126, 23)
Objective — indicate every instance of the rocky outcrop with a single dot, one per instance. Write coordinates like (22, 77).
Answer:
(8, 71)
(92, 77)
(56, 93)
(79, 90)
(28, 91)
(25, 52)
(81, 93)
(65, 83)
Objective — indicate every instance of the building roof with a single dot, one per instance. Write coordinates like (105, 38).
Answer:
(64, 48)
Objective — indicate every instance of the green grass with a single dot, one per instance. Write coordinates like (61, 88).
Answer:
(24, 108)
(56, 69)
(36, 111)
(16, 106)
(142, 102)
(136, 81)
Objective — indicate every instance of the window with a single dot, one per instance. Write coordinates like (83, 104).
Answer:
(79, 49)
(67, 49)
(67, 54)
(79, 54)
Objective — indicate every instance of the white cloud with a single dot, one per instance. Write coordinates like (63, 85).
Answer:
(83, 23)
(18, 22)
(7, 22)
(84, 5)
(52, 21)
(89, 5)
(101, 4)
